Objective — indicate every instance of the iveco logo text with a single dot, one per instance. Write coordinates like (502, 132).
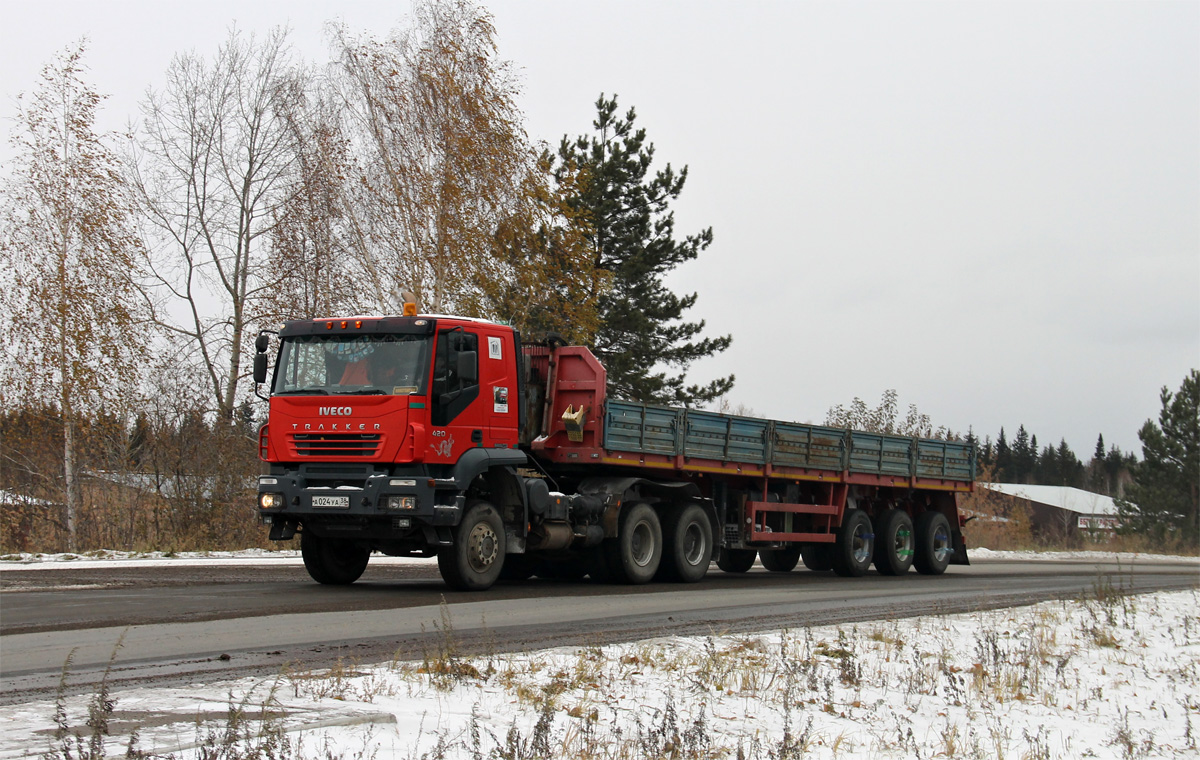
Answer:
(335, 411)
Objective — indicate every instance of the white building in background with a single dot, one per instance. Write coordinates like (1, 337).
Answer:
(1061, 508)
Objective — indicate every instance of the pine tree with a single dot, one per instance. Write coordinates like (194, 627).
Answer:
(643, 340)
(1004, 459)
(1099, 478)
(1164, 499)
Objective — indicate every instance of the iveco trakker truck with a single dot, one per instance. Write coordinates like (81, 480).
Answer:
(447, 437)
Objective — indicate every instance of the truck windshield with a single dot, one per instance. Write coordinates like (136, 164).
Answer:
(364, 364)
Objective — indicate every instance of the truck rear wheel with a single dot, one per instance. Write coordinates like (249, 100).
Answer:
(634, 555)
(894, 543)
(855, 545)
(332, 561)
(736, 560)
(474, 561)
(687, 545)
(780, 560)
(934, 545)
(817, 557)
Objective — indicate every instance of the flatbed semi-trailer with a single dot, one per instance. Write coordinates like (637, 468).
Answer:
(445, 436)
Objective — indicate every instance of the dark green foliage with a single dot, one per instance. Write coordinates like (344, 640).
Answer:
(1164, 500)
(643, 340)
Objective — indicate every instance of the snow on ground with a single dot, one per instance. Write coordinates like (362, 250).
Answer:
(1109, 676)
(97, 559)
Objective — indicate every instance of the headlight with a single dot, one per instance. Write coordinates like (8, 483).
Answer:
(402, 483)
(270, 500)
(402, 502)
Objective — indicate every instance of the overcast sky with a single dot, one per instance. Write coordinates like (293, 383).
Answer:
(993, 208)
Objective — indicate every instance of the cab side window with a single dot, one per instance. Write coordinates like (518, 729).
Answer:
(455, 375)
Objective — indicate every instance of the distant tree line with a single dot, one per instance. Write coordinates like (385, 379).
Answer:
(1107, 472)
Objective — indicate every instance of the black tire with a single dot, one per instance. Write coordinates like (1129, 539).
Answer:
(518, 567)
(474, 561)
(333, 561)
(563, 569)
(780, 560)
(895, 543)
(634, 555)
(736, 560)
(817, 557)
(934, 544)
(855, 545)
(687, 545)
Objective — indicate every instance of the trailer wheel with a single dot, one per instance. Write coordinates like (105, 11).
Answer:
(855, 544)
(780, 560)
(894, 543)
(687, 545)
(474, 561)
(634, 555)
(817, 557)
(736, 560)
(934, 545)
(332, 561)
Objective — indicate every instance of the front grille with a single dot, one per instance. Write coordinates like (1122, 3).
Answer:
(336, 444)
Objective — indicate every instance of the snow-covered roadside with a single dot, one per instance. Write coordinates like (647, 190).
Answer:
(1109, 676)
(105, 557)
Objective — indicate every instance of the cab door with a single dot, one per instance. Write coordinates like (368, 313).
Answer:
(456, 406)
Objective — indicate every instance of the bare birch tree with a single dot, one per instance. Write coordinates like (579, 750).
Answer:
(441, 152)
(313, 271)
(215, 163)
(69, 253)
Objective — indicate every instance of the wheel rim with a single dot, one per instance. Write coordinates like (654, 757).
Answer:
(903, 543)
(641, 544)
(860, 545)
(941, 544)
(693, 544)
(482, 547)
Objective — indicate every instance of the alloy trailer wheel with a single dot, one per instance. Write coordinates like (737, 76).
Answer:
(474, 561)
(934, 543)
(687, 545)
(634, 555)
(736, 560)
(855, 545)
(895, 543)
(333, 561)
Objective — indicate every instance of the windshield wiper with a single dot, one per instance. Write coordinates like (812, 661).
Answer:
(304, 391)
(366, 392)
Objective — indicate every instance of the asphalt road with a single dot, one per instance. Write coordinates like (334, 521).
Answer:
(178, 624)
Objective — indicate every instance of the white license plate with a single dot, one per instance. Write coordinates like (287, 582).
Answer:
(341, 502)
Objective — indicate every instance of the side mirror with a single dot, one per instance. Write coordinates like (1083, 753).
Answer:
(468, 367)
(261, 343)
(260, 364)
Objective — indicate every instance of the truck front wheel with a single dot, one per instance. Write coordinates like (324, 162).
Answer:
(475, 560)
(634, 555)
(687, 545)
(332, 561)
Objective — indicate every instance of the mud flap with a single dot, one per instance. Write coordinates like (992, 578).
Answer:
(959, 557)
